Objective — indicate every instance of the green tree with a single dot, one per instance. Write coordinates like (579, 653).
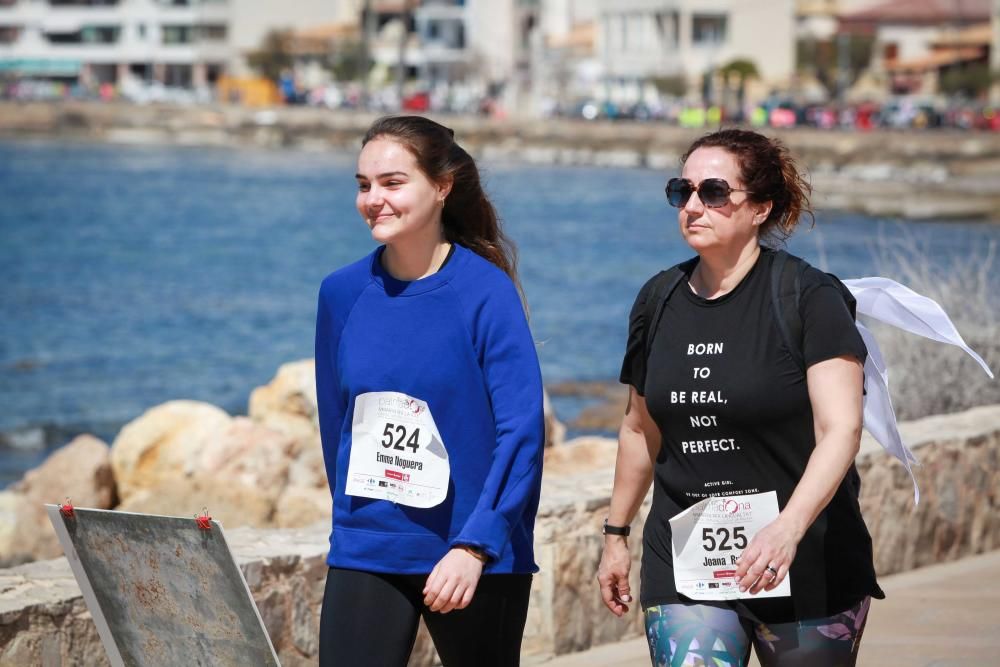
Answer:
(274, 54)
(823, 58)
(670, 85)
(971, 80)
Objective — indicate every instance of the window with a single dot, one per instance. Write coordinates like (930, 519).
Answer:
(83, 3)
(212, 33)
(9, 34)
(667, 28)
(100, 34)
(177, 34)
(91, 34)
(708, 29)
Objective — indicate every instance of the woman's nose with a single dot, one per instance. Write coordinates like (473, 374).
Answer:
(373, 198)
(694, 204)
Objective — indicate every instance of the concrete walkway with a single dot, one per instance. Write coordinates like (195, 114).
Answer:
(939, 616)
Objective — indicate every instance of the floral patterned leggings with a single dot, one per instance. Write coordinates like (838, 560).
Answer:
(698, 635)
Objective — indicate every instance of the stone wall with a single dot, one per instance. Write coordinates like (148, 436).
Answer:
(43, 620)
(959, 478)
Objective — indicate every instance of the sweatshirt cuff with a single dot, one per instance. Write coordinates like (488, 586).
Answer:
(487, 530)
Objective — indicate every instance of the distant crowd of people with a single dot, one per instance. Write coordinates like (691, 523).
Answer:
(895, 113)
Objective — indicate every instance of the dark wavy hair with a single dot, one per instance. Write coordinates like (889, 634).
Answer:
(469, 217)
(769, 173)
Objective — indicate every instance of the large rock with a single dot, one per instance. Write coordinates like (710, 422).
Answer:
(79, 471)
(555, 431)
(163, 445)
(183, 456)
(287, 404)
(583, 454)
(238, 473)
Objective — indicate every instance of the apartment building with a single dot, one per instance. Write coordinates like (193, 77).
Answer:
(176, 42)
(488, 40)
(645, 39)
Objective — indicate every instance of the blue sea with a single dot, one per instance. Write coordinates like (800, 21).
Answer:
(130, 276)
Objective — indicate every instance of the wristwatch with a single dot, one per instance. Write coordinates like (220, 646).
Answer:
(615, 530)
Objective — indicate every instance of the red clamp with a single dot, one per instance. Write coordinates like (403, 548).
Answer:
(66, 509)
(203, 520)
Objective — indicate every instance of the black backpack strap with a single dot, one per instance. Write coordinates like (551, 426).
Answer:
(786, 288)
(787, 272)
(665, 284)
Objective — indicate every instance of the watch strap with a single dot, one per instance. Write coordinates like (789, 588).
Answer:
(609, 529)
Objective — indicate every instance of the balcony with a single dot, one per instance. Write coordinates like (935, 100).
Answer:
(99, 35)
(84, 3)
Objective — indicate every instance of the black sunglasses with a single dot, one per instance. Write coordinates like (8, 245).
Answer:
(713, 192)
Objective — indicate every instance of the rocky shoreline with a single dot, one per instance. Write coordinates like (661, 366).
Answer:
(939, 175)
(44, 621)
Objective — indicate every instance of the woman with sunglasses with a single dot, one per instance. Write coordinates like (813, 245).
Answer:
(430, 411)
(773, 553)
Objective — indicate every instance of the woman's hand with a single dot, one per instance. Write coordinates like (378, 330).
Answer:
(835, 394)
(452, 582)
(638, 445)
(774, 546)
(612, 574)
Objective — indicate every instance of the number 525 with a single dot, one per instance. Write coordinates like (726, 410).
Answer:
(719, 539)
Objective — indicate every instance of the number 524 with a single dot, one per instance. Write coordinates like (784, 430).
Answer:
(393, 436)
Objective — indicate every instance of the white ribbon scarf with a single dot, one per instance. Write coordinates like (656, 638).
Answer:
(889, 302)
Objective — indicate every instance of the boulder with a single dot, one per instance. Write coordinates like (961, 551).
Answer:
(79, 471)
(555, 431)
(163, 445)
(581, 454)
(238, 473)
(298, 506)
(287, 404)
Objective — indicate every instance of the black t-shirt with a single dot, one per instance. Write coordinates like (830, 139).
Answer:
(733, 410)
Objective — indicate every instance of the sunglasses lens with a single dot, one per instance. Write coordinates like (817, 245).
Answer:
(678, 192)
(714, 192)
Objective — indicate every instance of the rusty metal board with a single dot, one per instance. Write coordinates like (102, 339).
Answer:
(162, 590)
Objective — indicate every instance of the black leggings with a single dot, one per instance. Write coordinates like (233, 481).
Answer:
(371, 619)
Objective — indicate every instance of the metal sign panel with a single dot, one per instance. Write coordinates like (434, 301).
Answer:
(162, 590)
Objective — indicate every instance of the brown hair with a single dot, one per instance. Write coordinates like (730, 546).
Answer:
(769, 173)
(468, 217)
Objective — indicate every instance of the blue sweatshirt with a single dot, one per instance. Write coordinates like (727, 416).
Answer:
(458, 341)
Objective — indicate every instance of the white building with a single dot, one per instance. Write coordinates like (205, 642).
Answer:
(489, 41)
(181, 43)
(177, 42)
(646, 39)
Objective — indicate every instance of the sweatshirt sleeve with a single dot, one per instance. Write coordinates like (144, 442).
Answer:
(329, 402)
(514, 382)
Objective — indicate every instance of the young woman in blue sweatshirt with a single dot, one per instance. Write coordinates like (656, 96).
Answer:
(430, 408)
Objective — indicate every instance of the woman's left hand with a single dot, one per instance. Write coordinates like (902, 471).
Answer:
(452, 582)
(774, 546)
